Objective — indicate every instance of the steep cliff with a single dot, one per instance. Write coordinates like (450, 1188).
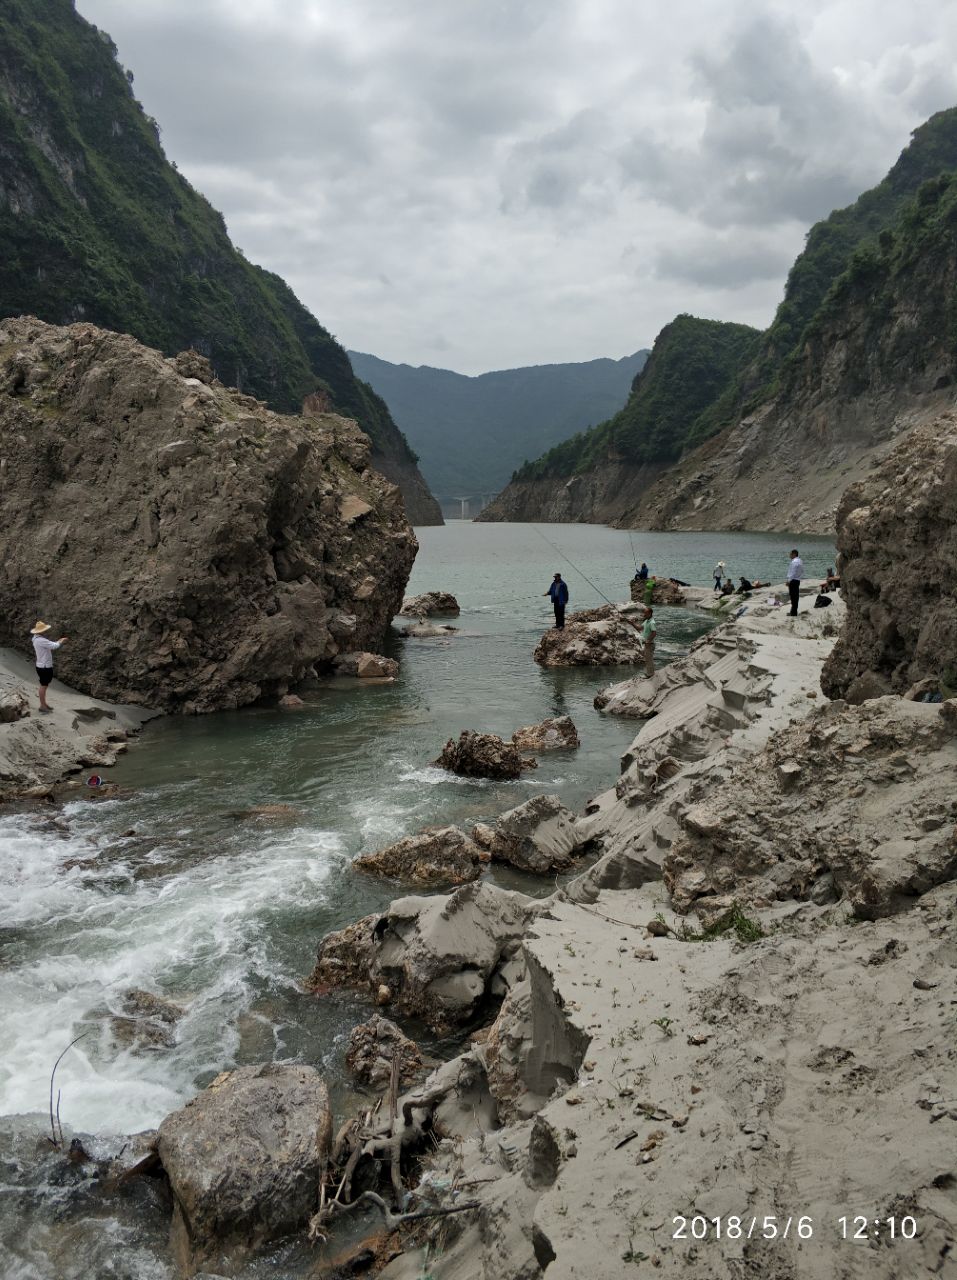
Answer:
(97, 225)
(598, 474)
(199, 550)
(859, 351)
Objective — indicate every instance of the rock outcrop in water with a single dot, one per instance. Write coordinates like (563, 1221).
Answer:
(591, 638)
(482, 755)
(557, 733)
(437, 856)
(201, 551)
(431, 603)
(897, 540)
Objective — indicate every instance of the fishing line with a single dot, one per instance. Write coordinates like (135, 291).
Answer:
(581, 573)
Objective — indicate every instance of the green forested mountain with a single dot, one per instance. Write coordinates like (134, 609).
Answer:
(472, 432)
(96, 224)
(692, 362)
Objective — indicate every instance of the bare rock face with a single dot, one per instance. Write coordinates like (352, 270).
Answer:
(591, 638)
(553, 734)
(897, 540)
(366, 666)
(438, 958)
(246, 1156)
(430, 604)
(200, 551)
(373, 1045)
(437, 856)
(538, 836)
(482, 755)
(852, 804)
(663, 591)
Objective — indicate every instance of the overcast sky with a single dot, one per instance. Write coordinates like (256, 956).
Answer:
(482, 184)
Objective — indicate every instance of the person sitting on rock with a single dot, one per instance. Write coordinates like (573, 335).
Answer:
(676, 582)
(832, 582)
(744, 586)
(43, 648)
(642, 573)
(559, 595)
(728, 588)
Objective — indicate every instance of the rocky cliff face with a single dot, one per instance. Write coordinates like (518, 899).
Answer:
(97, 225)
(200, 551)
(897, 538)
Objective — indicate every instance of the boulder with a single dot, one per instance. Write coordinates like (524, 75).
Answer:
(366, 666)
(591, 638)
(147, 1021)
(482, 755)
(373, 1045)
(538, 836)
(428, 631)
(14, 705)
(291, 702)
(553, 734)
(190, 542)
(439, 958)
(436, 856)
(898, 565)
(663, 592)
(246, 1156)
(430, 604)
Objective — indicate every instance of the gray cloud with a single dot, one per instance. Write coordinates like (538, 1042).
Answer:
(497, 182)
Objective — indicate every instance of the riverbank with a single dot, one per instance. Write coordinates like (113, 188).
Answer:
(38, 752)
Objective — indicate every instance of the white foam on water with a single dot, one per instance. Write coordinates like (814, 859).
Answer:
(78, 939)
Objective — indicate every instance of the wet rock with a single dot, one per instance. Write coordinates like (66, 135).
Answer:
(428, 631)
(372, 1047)
(366, 666)
(663, 591)
(147, 1021)
(441, 958)
(245, 1158)
(431, 603)
(552, 734)
(291, 702)
(591, 638)
(481, 755)
(538, 836)
(205, 506)
(436, 856)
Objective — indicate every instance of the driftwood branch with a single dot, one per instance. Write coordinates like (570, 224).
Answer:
(55, 1118)
(393, 1220)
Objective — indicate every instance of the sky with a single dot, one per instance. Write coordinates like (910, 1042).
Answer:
(486, 184)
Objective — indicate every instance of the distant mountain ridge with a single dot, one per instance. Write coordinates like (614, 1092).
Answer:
(97, 225)
(471, 433)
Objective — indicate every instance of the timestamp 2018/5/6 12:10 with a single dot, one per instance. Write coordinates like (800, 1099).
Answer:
(779, 1227)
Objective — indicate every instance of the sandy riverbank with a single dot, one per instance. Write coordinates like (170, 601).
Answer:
(37, 752)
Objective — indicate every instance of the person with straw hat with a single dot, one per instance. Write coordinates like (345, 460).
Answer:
(43, 648)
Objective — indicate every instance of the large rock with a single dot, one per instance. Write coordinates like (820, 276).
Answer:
(482, 755)
(897, 541)
(553, 734)
(245, 1157)
(372, 1047)
(437, 856)
(591, 638)
(366, 666)
(192, 544)
(431, 603)
(538, 836)
(439, 958)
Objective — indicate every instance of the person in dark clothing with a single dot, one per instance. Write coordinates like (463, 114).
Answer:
(745, 585)
(794, 576)
(559, 594)
(642, 572)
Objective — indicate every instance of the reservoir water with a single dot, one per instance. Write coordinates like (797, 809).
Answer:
(171, 889)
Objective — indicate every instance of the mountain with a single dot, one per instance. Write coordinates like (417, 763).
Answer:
(96, 224)
(472, 432)
(792, 428)
(595, 474)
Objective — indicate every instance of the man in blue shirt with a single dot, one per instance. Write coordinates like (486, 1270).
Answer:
(559, 594)
(795, 574)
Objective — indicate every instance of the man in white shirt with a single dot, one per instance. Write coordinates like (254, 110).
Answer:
(43, 648)
(649, 629)
(795, 574)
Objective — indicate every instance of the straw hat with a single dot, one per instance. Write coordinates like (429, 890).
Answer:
(39, 628)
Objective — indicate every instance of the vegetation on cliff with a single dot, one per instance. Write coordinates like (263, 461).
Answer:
(693, 361)
(97, 225)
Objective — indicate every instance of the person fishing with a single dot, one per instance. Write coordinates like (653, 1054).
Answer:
(559, 596)
(43, 648)
(642, 573)
(649, 630)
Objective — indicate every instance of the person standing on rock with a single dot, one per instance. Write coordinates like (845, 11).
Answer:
(718, 572)
(43, 648)
(649, 629)
(795, 574)
(559, 594)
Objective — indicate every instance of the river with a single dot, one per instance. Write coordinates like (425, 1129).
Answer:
(171, 889)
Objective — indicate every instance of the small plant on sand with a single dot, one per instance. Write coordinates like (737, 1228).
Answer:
(734, 920)
(664, 1023)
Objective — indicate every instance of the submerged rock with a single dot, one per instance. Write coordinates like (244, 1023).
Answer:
(245, 1157)
(366, 666)
(373, 1045)
(199, 550)
(538, 836)
(482, 755)
(591, 638)
(553, 734)
(429, 604)
(439, 958)
(436, 856)
(147, 1021)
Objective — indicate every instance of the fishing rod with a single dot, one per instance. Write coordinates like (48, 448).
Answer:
(581, 573)
(634, 554)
